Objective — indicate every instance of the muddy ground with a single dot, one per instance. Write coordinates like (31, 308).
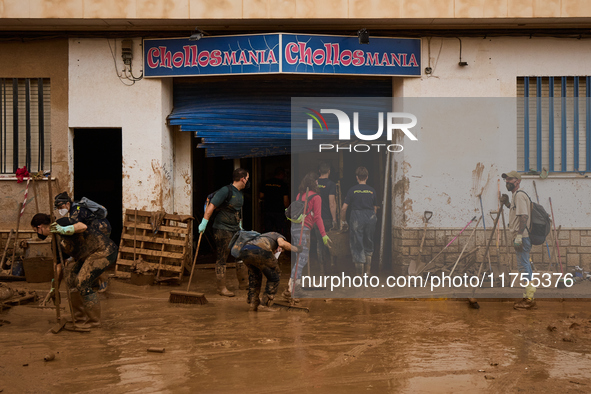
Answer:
(341, 345)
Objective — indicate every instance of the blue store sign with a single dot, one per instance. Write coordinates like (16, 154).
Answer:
(281, 53)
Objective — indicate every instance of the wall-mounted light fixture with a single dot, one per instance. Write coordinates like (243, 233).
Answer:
(197, 35)
(363, 35)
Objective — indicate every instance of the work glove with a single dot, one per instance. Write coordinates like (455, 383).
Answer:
(203, 225)
(505, 200)
(326, 241)
(56, 228)
(518, 241)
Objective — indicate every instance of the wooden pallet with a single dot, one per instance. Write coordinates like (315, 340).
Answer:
(168, 250)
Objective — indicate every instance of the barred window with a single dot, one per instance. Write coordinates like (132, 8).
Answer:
(554, 124)
(25, 126)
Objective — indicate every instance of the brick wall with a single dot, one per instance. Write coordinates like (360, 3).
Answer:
(574, 244)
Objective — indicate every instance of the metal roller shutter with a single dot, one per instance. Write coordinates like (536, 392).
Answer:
(239, 117)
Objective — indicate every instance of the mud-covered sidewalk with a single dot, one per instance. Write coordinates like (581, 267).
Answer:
(345, 346)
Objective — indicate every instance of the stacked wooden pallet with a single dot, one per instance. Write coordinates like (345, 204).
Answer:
(161, 240)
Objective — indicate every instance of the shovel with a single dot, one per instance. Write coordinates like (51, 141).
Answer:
(412, 267)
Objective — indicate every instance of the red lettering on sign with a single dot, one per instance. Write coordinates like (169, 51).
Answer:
(261, 55)
(318, 56)
(336, 49)
(252, 55)
(215, 58)
(203, 58)
(358, 57)
(373, 59)
(271, 58)
(229, 58)
(243, 59)
(290, 48)
(395, 59)
(385, 60)
(153, 55)
(346, 56)
(413, 61)
(328, 54)
(404, 63)
(187, 49)
(177, 59)
(165, 58)
(305, 54)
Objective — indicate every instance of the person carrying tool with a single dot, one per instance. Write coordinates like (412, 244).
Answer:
(67, 208)
(226, 223)
(519, 224)
(362, 199)
(300, 235)
(91, 252)
(328, 191)
(260, 256)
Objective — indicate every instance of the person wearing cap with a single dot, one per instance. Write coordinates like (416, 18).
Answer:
(519, 224)
(65, 207)
(91, 251)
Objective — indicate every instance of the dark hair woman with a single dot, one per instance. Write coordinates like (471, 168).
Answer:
(313, 217)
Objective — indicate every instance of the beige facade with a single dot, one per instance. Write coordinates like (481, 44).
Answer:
(96, 13)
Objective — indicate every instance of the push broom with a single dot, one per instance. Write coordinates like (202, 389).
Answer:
(189, 297)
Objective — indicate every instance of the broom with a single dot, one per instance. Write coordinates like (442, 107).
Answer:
(189, 297)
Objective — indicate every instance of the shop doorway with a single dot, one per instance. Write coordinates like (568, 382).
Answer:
(98, 172)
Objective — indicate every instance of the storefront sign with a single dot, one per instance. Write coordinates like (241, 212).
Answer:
(281, 53)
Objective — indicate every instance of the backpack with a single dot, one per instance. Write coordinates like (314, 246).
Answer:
(98, 211)
(540, 223)
(226, 201)
(239, 239)
(295, 210)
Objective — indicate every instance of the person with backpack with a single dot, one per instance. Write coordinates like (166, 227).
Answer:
(312, 217)
(519, 225)
(228, 201)
(362, 200)
(81, 212)
(260, 253)
(91, 253)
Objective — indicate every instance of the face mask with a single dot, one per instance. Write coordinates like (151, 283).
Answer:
(509, 186)
(62, 212)
(247, 186)
(41, 236)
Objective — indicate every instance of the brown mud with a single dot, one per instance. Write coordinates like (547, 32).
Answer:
(344, 346)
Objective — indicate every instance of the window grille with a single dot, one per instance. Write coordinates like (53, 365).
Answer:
(25, 127)
(554, 124)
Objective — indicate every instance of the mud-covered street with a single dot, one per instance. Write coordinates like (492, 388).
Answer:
(353, 345)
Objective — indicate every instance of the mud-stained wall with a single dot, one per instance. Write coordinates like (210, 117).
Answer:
(38, 59)
(100, 99)
(464, 145)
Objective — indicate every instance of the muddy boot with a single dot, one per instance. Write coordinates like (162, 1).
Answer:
(254, 304)
(359, 269)
(93, 311)
(222, 290)
(77, 306)
(242, 275)
(368, 265)
(525, 304)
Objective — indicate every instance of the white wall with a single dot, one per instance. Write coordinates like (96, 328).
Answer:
(463, 149)
(99, 99)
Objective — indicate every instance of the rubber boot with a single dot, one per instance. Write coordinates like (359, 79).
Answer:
(78, 307)
(242, 275)
(222, 289)
(359, 269)
(368, 265)
(93, 311)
